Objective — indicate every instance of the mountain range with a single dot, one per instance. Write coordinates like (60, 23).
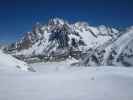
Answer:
(90, 45)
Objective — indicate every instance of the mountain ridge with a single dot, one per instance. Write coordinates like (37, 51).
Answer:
(59, 38)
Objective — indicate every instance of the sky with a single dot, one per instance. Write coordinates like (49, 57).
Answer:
(18, 16)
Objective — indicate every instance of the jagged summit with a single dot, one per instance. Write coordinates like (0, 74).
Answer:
(59, 33)
(57, 21)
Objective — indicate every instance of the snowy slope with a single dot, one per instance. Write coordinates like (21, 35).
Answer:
(59, 81)
(122, 47)
(9, 63)
(118, 52)
(95, 36)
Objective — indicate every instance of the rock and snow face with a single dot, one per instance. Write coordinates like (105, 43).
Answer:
(122, 47)
(9, 63)
(118, 52)
(95, 36)
(43, 40)
(60, 39)
(61, 35)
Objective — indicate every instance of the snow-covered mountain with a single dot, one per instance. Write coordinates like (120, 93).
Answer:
(59, 36)
(61, 39)
(118, 52)
(122, 49)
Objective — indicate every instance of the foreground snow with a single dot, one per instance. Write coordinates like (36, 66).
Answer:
(9, 63)
(59, 81)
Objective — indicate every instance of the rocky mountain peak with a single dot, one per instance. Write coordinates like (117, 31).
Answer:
(60, 39)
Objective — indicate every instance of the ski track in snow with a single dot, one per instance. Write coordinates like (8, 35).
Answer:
(59, 81)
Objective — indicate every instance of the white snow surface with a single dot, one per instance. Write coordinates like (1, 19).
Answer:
(60, 81)
(120, 45)
(9, 63)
